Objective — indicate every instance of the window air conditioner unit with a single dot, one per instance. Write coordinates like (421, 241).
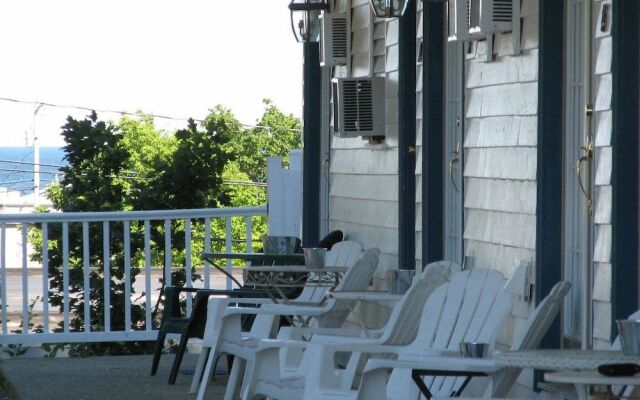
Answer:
(333, 39)
(490, 16)
(358, 107)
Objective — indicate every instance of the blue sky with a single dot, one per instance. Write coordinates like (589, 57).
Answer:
(176, 58)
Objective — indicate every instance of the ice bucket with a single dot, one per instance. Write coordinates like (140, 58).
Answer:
(629, 331)
(473, 349)
(314, 257)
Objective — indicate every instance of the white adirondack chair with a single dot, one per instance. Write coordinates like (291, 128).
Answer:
(376, 386)
(471, 306)
(224, 335)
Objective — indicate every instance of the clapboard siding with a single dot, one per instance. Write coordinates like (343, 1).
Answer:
(603, 165)
(371, 236)
(603, 205)
(365, 187)
(504, 131)
(365, 162)
(515, 197)
(603, 128)
(506, 229)
(508, 99)
(360, 39)
(515, 163)
(603, 157)
(500, 257)
(501, 103)
(364, 176)
(511, 69)
(356, 211)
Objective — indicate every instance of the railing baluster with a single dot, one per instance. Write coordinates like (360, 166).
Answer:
(106, 275)
(77, 238)
(86, 265)
(127, 276)
(3, 269)
(249, 234)
(168, 260)
(147, 273)
(207, 249)
(228, 242)
(45, 277)
(65, 274)
(25, 282)
(187, 259)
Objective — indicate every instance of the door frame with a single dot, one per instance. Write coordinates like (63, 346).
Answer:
(578, 191)
(454, 151)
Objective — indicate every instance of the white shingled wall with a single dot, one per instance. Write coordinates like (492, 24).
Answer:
(602, 216)
(499, 152)
(364, 177)
(500, 149)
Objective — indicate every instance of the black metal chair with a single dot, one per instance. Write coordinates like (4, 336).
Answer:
(173, 321)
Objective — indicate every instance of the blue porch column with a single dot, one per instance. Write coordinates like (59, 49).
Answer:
(549, 160)
(407, 138)
(312, 144)
(433, 131)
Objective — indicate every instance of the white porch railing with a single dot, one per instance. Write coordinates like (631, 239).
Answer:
(85, 222)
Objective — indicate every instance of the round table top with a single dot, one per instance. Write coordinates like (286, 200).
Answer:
(590, 378)
(561, 359)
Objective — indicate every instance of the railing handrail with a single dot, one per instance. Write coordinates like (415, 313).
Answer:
(102, 216)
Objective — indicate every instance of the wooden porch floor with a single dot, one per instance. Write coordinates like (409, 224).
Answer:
(97, 378)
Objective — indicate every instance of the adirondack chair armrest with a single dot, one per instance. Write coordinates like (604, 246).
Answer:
(244, 300)
(349, 345)
(296, 333)
(253, 310)
(365, 296)
(270, 344)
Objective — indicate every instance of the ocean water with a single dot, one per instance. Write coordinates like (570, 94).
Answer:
(16, 167)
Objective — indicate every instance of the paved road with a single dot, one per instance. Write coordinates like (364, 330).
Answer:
(103, 378)
(34, 288)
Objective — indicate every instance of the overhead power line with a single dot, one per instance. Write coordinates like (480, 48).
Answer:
(30, 163)
(133, 114)
(29, 171)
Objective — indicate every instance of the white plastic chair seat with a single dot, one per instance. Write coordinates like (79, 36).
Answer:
(223, 326)
(373, 381)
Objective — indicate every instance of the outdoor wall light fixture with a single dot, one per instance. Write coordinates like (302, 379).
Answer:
(305, 16)
(389, 8)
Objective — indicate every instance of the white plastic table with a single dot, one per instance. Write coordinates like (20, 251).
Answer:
(583, 379)
(578, 367)
(561, 359)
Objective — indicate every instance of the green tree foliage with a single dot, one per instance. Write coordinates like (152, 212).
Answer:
(131, 165)
(275, 135)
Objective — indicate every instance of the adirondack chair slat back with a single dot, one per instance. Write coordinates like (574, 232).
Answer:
(357, 278)
(403, 324)
(342, 254)
(455, 312)
(531, 334)
(485, 305)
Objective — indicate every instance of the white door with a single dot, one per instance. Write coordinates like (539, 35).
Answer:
(578, 152)
(454, 134)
